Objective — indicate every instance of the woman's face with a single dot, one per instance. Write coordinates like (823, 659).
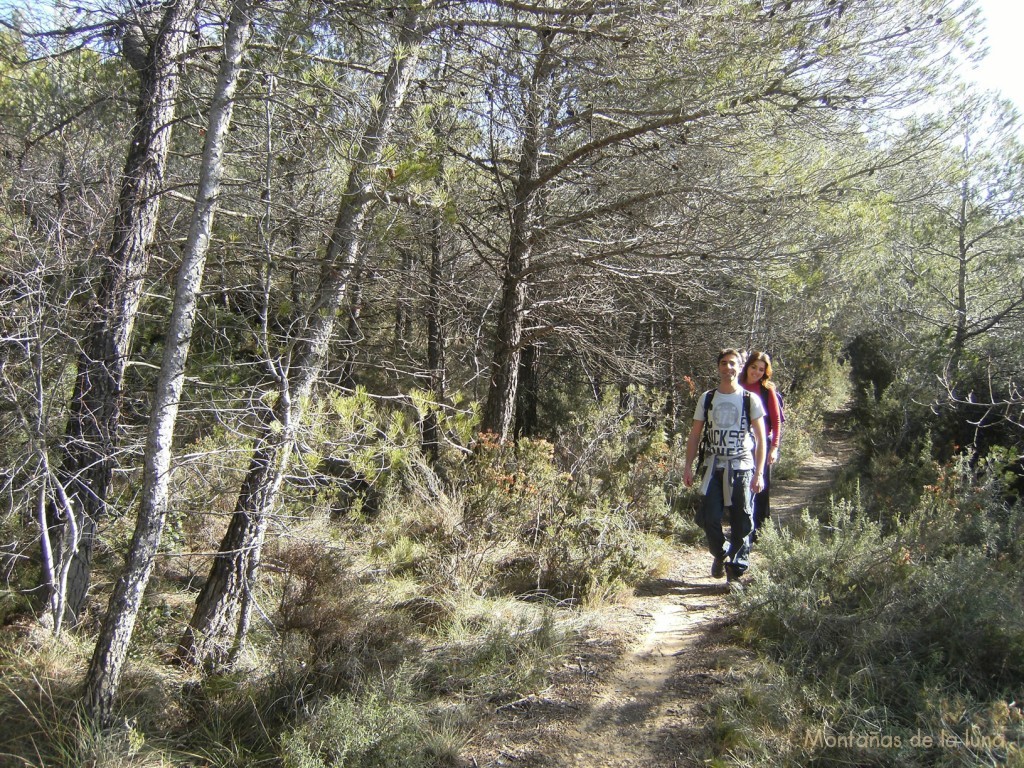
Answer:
(756, 371)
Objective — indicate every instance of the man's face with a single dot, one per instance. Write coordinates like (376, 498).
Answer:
(729, 367)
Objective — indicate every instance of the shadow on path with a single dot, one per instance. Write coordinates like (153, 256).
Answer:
(663, 587)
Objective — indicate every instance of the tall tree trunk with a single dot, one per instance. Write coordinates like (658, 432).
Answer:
(345, 372)
(963, 261)
(403, 304)
(104, 673)
(91, 439)
(221, 617)
(671, 399)
(529, 392)
(499, 411)
(435, 341)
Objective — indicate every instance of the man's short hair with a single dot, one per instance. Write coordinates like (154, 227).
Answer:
(729, 351)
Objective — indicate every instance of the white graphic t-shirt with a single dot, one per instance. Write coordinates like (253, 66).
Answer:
(729, 434)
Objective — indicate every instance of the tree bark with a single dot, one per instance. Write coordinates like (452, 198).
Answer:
(672, 385)
(104, 673)
(91, 440)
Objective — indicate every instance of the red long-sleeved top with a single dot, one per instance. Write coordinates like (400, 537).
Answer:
(773, 427)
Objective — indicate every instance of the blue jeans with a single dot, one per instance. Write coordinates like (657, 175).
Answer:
(741, 519)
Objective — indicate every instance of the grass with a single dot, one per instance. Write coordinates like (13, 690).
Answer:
(365, 666)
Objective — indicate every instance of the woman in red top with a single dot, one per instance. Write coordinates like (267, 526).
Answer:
(756, 378)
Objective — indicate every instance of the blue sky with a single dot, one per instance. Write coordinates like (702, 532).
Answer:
(1003, 68)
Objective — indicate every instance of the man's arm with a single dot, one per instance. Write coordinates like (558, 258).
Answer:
(692, 444)
(757, 482)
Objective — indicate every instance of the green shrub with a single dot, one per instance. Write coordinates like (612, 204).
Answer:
(873, 634)
(370, 730)
(961, 620)
(845, 594)
(776, 718)
(812, 590)
(969, 505)
(547, 532)
(579, 557)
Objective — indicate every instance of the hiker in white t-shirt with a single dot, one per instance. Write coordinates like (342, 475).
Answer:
(732, 466)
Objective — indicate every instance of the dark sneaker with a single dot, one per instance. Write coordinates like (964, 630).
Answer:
(718, 567)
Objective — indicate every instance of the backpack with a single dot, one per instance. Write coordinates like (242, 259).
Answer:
(782, 407)
(709, 398)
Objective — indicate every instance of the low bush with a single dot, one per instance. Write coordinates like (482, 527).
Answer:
(881, 637)
(373, 729)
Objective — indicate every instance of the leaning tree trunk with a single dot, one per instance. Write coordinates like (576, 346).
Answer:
(91, 440)
(104, 673)
(345, 376)
(221, 618)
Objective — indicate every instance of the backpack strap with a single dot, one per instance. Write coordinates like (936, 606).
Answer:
(709, 398)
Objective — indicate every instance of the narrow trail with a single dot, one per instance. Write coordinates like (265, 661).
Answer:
(815, 475)
(642, 702)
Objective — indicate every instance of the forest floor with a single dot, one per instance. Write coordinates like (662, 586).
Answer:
(638, 691)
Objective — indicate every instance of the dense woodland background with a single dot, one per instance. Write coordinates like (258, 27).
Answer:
(346, 351)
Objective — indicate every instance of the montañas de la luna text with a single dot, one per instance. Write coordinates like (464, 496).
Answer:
(944, 739)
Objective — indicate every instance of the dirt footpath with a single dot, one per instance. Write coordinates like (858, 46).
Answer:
(638, 694)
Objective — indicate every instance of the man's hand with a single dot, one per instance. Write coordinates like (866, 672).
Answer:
(757, 482)
(687, 477)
